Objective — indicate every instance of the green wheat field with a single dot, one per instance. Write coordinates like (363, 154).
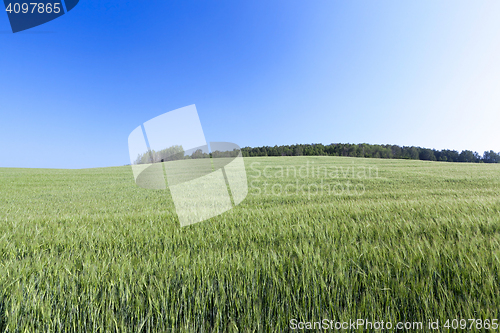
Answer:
(394, 240)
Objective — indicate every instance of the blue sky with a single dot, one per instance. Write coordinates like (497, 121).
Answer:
(423, 73)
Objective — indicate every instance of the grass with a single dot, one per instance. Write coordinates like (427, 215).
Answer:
(88, 250)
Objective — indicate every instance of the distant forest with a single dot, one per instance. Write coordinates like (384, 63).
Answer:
(177, 152)
(334, 149)
(374, 151)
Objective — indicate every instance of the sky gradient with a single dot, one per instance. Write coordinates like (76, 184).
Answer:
(420, 73)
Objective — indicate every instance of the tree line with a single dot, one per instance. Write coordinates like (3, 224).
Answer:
(168, 154)
(373, 151)
(174, 153)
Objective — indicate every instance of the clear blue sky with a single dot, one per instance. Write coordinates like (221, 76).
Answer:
(423, 73)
